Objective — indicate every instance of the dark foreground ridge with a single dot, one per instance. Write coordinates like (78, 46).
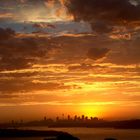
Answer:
(48, 135)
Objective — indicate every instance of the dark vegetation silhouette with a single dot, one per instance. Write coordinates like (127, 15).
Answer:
(56, 135)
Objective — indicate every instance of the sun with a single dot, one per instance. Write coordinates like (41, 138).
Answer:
(91, 111)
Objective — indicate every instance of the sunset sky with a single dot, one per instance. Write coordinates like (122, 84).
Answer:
(69, 57)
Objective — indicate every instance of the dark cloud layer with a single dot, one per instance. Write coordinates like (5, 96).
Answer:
(22, 52)
(85, 67)
(6, 33)
(128, 53)
(19, 85)
(97, 53)
(105, 14)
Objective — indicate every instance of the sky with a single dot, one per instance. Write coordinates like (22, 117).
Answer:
(69, 57)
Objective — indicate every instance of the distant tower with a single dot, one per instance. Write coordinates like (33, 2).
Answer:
(68, 117)
(75, 117)
(83, 117)
(21, 121)
(45, 118)
(95, 119)
(63, 116)
(13, 122)
(57, 118)
(86, 118)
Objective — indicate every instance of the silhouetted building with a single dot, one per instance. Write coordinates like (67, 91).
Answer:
(95, 119)
(75, 117)
(69, 117)
(45, 118)
(57, 118)
(86, 118)
(83, 117)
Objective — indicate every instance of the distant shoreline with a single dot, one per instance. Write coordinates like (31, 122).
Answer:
(126, 124)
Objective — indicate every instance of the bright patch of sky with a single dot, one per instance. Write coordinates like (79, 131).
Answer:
(59, 27)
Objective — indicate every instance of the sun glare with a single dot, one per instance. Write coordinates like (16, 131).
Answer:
(91, 111)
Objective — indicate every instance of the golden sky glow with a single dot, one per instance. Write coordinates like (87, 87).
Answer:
(54, 60)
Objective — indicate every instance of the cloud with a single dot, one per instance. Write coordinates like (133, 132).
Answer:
(85, 67)
(127, 53)
(18, 52)
(6, 15)
(23, 10)
(15, 63)
(43, 25)
(23, 85)
(108, 13)
(101, 27)
(6, 34)
(22, 51)
(32, 10)
(97, 53)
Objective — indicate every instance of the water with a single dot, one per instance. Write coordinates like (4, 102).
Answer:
(90, 133)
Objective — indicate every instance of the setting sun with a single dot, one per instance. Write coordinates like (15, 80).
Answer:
(91, 111)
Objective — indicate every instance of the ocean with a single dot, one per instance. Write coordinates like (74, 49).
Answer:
(90, 133)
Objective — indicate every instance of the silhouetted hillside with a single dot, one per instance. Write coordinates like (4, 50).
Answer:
(12, 133)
